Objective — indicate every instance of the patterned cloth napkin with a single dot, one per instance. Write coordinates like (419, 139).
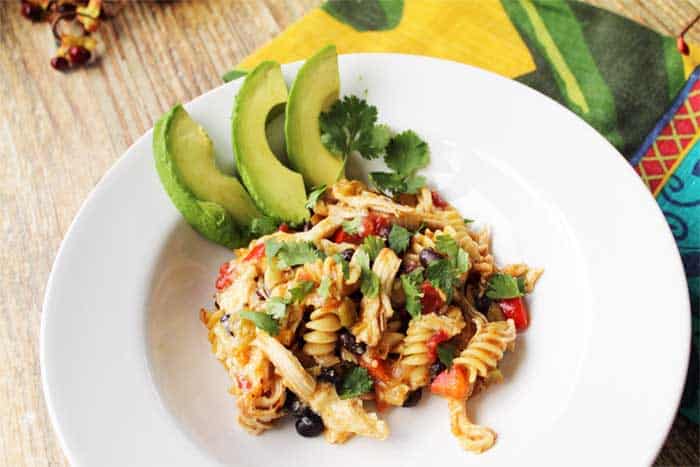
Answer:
(628, 82)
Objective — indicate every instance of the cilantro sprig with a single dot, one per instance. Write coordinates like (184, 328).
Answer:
(444, 273)
(369, 281)
(399, 238)
(290, 254)
(350, 125)
(373, 245)
(262, 320)
(502, 286)
(355, 383)
(314, 196)
(300, 291)
(406, 153)
(411, 284)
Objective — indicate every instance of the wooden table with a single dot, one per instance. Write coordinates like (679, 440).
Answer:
(60, 133)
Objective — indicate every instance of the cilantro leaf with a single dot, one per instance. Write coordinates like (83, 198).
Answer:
(344, 264)
(468, 221)
(502, 286)
(399, 238)
(381, 135)
(276, 307)
(440, 275)
(352, 226)
(392, 183)
(461, 262)
(370, 284)
(446, 353)
(296, 253)
(413, 183)
(355, 383)
(411, 289)
(521, 285)
(349, 125)
(373, 245)
(263, 226)
(446, 245)
(262, 320)
(458, 258)
(315, 194)
(323, 289)
(300, 291)
(362, 258)
(407, 153)
(232, 75)
(272, 247)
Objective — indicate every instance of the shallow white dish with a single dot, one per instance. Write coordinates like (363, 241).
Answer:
(127, 371)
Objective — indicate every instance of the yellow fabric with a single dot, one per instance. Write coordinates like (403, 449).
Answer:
(477, 32)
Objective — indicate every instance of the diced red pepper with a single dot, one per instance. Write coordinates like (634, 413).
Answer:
(222, 282)
(341, 236)
(452, 383)
(376, 224)
(431, 299)
(224, 278)
(514, 308)
(284, 227)
(256, 253)
(437, 200)
(377, 369)
(435, 340)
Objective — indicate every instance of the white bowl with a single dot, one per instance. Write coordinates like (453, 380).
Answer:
(129, 378)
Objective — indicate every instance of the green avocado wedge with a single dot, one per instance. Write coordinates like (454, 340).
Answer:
(315, 89)
(214, 204)
(277, 191)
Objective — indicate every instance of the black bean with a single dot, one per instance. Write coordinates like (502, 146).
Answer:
(428, 255)
(294, 406)
(413, 398)
(347, 254)
(225, 318)
(482, 303)
(309, 425)
(348, 341)
(408, 266)
(331, 375)
(435, 369)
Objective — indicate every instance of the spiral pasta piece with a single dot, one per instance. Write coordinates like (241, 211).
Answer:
(323, 326)
(472, 437)
(415, 354)
(486, 348)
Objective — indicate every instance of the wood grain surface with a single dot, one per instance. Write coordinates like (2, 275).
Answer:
(60, 133)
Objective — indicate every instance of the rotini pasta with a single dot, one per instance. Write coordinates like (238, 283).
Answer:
(329, 320)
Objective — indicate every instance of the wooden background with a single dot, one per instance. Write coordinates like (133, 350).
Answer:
(60, 133)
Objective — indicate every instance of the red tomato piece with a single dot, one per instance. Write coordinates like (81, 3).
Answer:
(431, 299)
(437, 200)
(222, 282)
(434, 341)
(514, 308)
(223, 269)
(376, 224)
(452, 383)
(284, 227)
(256, 253)
(341, 236)
(243, 382)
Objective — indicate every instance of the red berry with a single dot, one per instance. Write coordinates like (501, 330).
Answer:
(31, 12)
(78, 54)
(60, 63)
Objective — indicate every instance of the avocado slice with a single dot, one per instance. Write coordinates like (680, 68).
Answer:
(315, 89)
(277, 191)
(215, 204)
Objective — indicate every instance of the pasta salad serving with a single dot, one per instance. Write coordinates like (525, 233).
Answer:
(375, 299)
(350, 295)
